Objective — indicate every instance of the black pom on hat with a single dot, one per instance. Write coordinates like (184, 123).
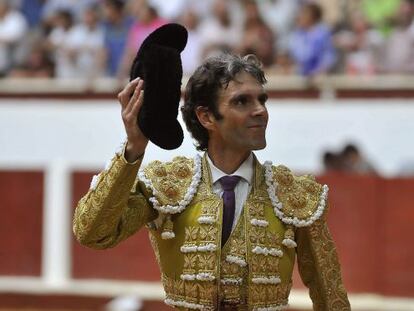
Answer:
(158, 63)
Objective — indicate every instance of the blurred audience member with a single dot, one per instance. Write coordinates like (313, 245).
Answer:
(116, 26)
(32, 11)
(58, 42)
(257, 38)
(38, 64)
(380, 13)
(75, 7)
(280, 16)
(85, 43)
(349, 160)
(333, 11)
(13, 28)
(201, 8)
(398, 52)
(311, 43)
(283, 64)
(220, 32)
(191, 56)
(332, 162)
(171, 9)
(354, 162)
(360, 46)
(147, 20)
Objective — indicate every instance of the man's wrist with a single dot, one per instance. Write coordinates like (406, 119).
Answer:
(133, 152)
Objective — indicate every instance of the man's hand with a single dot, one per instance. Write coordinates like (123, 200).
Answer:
(131, 105)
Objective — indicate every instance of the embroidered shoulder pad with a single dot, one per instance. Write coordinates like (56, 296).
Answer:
(297, 200)
(173, 184)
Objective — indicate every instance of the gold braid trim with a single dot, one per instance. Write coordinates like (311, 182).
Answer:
(319, 268)
(170, 180)
(109, 212)
(297, 200)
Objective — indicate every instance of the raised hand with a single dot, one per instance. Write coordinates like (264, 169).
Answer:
(131, 99)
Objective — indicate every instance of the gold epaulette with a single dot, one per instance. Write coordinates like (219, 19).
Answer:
(170, 183)
(301, 200)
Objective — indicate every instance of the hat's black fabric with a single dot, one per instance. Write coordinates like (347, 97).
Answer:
(158, 63)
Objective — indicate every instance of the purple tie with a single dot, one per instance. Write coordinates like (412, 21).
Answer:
(229, 201)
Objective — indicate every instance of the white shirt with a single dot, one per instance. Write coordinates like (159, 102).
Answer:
(242, 189)
(13, 27)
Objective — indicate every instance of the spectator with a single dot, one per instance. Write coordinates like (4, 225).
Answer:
(398, 54)
(203, 8)
(85, 45)
(58, 44)
(360, 46)
(280, 16)
(257, 37)
(283, 64)
(337, 12)
(311, 43)
(13, 28)
(191, 56)
(171, 9)
(75, 7)
(116, 26)
(147, 20)
(37, 65)
(332, 162)
(354, 162)
(220, 32)
(380, 13)
(32, 10)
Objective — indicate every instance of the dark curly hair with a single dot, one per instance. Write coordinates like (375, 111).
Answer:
(204, 85)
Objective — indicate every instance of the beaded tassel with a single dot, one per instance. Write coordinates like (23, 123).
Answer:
(168, 228)
(289, 239)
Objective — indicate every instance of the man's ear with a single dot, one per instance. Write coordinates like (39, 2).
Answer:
(205, 117)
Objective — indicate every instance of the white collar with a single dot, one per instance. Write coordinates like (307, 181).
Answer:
(245, 170)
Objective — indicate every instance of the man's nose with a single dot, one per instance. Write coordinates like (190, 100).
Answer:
(259, 109)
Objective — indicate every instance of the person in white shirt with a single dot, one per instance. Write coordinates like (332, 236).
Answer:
(13, 28)
(85, 43)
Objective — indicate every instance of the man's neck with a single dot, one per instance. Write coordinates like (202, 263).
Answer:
(227, 160)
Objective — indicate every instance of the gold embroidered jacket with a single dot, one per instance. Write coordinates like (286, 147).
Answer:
(284, 215)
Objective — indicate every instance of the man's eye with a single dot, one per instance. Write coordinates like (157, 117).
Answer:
(241, 101)
(263, 102)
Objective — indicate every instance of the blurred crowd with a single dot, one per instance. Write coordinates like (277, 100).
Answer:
(99, 38)
(349, 160)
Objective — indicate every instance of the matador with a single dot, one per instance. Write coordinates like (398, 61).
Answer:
(226, 229)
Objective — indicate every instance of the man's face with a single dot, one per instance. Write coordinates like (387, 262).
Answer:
(244, 115)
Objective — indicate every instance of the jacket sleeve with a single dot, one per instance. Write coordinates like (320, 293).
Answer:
(319, 267)
(112, 209)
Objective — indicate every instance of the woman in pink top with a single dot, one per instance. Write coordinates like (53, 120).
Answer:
(147, 20)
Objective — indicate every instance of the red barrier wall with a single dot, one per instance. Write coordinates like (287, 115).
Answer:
(21, 203)
(370, 219)
(132, 259)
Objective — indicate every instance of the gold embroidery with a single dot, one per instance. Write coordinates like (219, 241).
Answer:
(208, 233)
(318, 265)
(320, 269)
(207, 292)
(210, 207)
(283, 175)
(300, 195)
(109, 213)
(171, 180)
(191, 234)
(207, 262)
(257, 235)
(190, 263)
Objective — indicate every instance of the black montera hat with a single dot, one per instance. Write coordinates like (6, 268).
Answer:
(158, 63)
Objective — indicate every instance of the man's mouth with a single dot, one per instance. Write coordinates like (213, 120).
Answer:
(258, 126)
